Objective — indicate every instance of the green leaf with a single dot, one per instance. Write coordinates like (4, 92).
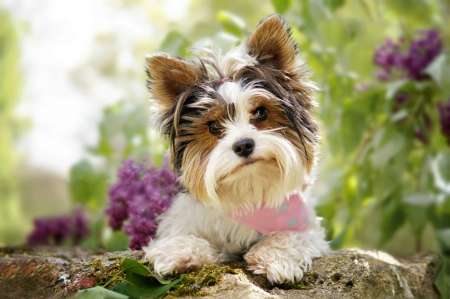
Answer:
(439, 70)
(86, 186)
(393, 218)
(442, 281)
(393, 88)
(440, 217)
(281, 5)
(334, 4)
(319, 10)
(349, 135)
(232, 23)
(399, 115)
(343, 235)
(417, 207)
(121, 288)
(134, 267)
(224, 40)
(381, 156)
(443, 236)
(117, 242)
(140, 286)
(175, 43)
(443, 166)
(99, 293)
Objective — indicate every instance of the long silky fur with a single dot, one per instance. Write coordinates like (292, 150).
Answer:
(289, 84)
(228, 91)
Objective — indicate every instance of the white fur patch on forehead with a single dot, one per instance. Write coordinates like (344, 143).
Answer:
(230, 92)
(237, 59)
(235, 93)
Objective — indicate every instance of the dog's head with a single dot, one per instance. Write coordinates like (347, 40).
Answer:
(241, 125)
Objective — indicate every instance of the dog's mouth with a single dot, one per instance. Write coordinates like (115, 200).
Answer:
(251, 161)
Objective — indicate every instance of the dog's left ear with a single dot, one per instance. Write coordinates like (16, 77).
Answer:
(168, 78)
(272, 45)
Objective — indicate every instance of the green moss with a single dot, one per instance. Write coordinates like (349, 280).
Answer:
(58, 289)
(6, 251)
(103, 274)
(306, 283)
(207, 276)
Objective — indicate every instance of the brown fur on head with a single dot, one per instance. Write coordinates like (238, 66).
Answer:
(195, 110)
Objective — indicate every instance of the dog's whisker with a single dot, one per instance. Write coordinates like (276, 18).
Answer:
(275, 129)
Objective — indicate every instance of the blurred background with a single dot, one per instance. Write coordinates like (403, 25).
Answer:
(73, 107)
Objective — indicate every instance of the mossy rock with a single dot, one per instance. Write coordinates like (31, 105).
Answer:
(50, 272)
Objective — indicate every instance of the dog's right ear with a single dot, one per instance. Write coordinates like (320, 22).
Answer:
(168, 78)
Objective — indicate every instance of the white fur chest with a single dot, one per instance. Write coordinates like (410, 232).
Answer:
(187, 216)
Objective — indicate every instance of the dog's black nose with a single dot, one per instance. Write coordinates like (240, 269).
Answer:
(244, 147)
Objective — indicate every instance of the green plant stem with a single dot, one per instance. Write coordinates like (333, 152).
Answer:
(361, 149)
(114, 278)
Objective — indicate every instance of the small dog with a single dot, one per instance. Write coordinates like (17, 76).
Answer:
(242, 132)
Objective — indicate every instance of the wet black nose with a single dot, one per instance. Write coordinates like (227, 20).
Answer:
(244, 147)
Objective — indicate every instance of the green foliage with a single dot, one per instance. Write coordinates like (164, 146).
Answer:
(11, 220)
(439, 70)
(139, 282)
(124, 133)
(86, 186)
(175, 43)
(281, 5)
(385, 167)
(100, 293)
(232, 23)
(117, 242)
(390, 177)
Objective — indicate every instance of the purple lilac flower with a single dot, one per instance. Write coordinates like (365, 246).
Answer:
(420, 135)
(139, 197)
(396, 62)
(80, 226)
(389, 57)
(56, 230)
(401, 98)
(122, 193)
(421, 52)
(444, 113)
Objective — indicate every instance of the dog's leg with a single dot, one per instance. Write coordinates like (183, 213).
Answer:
(180, 254)
(285, 256)
(179, 246)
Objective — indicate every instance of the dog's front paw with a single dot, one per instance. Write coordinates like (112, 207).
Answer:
(283, 269)
(285, 256)
(180, 254)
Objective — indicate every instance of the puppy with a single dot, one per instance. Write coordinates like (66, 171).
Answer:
(242, 132)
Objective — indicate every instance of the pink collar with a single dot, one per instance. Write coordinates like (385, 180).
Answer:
(290, 215)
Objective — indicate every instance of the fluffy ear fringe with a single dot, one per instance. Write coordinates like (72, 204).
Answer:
(168, 78)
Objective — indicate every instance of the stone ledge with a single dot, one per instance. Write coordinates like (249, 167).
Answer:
(46, 272)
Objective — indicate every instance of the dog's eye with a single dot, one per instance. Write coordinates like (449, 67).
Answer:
(214, 128)
(260, 114)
